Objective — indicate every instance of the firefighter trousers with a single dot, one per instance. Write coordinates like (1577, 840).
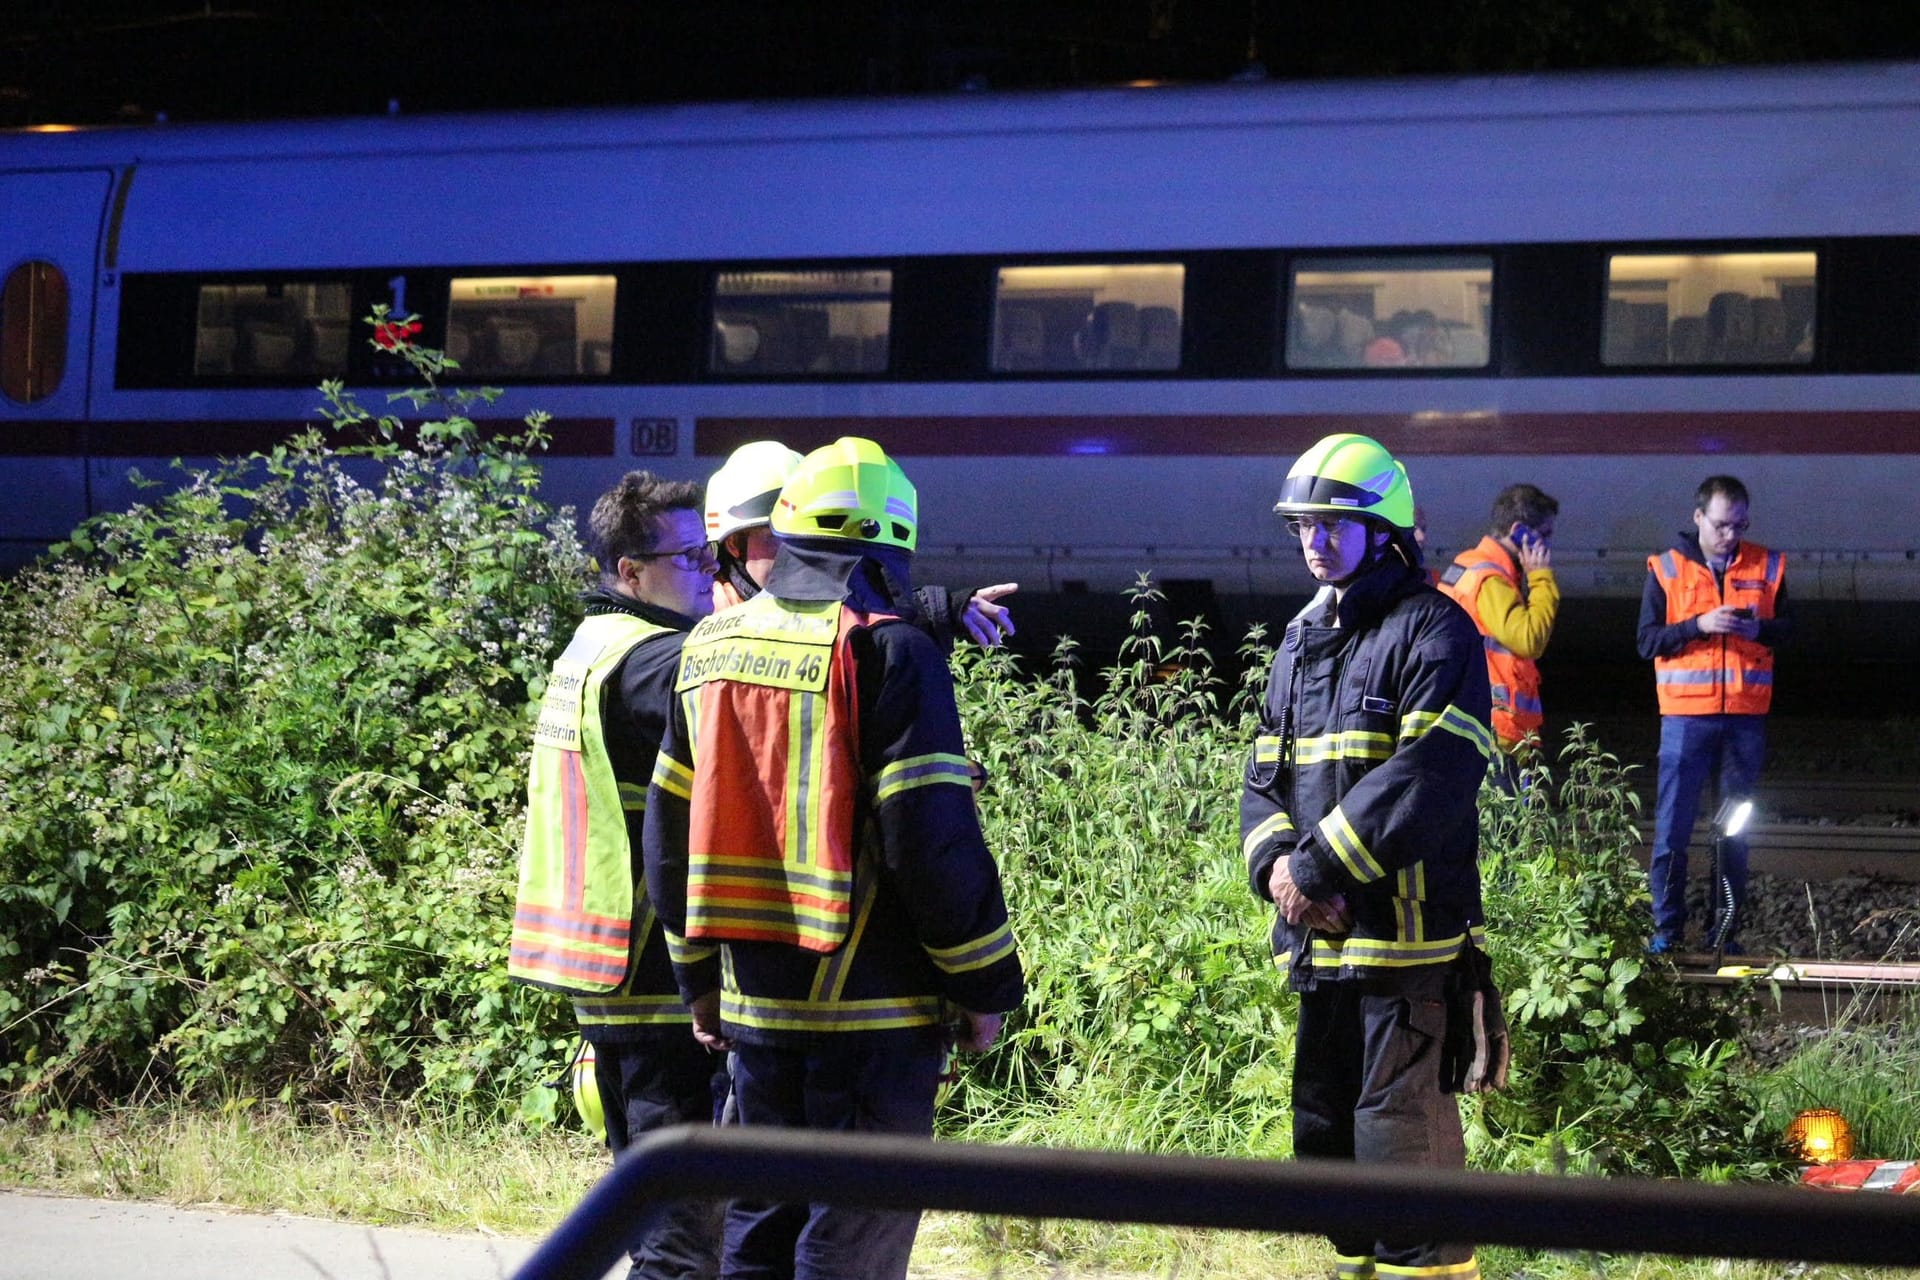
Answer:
(1366, 1087)
(663, 1080)
(853, 1082)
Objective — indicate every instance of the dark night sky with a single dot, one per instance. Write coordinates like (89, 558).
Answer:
(90, 61)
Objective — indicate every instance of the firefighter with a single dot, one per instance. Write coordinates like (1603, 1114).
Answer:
(1713, 610)
(812, 812)
(1507, 587)
(740, 499)
(1358, 822)
(582, 923)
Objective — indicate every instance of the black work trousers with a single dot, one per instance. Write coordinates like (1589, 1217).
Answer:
(1366, 1087)
(852, 1082)
(664, 1080)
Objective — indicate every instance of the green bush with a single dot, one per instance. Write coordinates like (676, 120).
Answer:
(1154, 1019)
(265, 740)
(1618, 1067)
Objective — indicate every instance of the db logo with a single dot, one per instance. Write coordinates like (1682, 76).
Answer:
(654, 437)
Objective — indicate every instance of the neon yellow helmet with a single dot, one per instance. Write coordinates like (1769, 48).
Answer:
(741, 494)
(586, 1092)
(849, 489)
(1349, 475)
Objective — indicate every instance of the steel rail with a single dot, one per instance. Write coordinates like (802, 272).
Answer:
(1814, 852)
(1533, 1211)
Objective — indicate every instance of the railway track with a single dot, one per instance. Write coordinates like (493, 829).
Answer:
(1816, 831)
(1823, 829)
(1814, 991)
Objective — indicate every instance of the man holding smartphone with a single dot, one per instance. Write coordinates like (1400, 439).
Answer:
(1506, 584)
(1712, 613)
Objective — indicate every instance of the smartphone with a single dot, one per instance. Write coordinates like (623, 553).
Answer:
(1526, 537)
(1744, 613)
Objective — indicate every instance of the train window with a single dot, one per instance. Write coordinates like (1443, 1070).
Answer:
(1709, 308)
(1389, 313)
(806, 322)
(33, 331)
(271, 330)
(1060, 319)
(531, 326)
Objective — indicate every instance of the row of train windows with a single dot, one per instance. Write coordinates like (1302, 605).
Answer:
(1345, 313)
(1340, 312)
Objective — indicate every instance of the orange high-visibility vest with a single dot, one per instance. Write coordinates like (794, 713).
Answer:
(773, 717)
(1517, 710)
(1721, 674)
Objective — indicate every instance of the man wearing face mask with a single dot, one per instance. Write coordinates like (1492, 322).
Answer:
(1712, 613)
(1506, 585)
(1358, 821)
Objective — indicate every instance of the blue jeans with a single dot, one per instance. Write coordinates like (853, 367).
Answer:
(1729, 749)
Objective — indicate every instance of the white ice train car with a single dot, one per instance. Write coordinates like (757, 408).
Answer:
(1094, 325)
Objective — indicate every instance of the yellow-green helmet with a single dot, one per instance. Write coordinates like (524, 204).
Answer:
(586, 1093)
(1349, 475)
(849, 489)
(741, 494)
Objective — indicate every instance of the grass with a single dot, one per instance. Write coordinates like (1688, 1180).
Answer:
(1867, 1071)
(519, 1181)
(383, 1170)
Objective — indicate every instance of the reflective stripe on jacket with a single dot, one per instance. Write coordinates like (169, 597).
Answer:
(924, 925)
(1717, 674)
(1373, 742)
(768, 690)
(1517, 710)
(573, 916)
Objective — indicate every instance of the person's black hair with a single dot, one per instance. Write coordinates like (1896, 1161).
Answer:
(625, 519)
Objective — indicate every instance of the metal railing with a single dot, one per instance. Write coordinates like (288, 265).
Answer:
(1281, 1197)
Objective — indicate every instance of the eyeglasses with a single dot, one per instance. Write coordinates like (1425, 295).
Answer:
(693, 557)
(1332, 526)
(1726, 527)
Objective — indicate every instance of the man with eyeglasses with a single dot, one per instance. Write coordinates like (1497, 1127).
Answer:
(1358, 821)
(1713, 610)
(582, 923)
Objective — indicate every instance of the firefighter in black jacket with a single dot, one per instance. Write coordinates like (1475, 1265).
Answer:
(812, 812)
(1358, 821)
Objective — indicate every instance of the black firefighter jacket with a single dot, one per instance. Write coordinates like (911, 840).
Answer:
(1373, 741)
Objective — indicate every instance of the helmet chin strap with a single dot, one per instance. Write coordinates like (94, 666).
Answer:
(898, 594)
(733, 569)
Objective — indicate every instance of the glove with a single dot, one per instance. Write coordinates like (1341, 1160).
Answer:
(1476, 1053)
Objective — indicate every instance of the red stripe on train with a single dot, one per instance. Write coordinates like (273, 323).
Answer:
(1284, 435)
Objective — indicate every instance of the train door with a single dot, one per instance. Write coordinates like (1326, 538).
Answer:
(49, 242)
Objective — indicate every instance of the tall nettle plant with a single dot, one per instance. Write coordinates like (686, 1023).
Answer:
(263, 736)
